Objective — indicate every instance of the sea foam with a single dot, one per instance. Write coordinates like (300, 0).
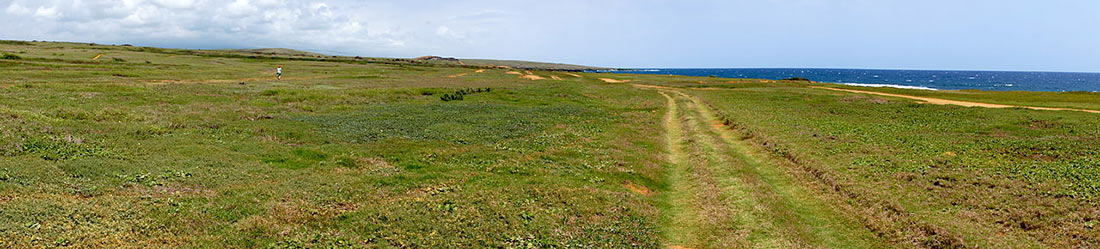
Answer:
(889, 85)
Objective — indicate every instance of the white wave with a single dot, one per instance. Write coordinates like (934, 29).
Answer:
(889, 85)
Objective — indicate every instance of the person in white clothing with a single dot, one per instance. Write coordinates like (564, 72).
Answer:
(279, 72)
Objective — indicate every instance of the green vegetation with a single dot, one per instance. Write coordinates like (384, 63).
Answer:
(176, 153)
(21, 43)
(940, 175)
(205, 148)
(460, 94)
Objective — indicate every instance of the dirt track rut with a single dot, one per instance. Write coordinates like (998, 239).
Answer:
(725, 194)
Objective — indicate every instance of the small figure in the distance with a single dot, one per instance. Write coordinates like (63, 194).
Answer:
(279, 72)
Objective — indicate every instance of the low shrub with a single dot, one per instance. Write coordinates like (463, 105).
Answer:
(6, 42)
(459, 95)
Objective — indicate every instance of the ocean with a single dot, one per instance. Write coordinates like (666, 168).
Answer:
(914, 79)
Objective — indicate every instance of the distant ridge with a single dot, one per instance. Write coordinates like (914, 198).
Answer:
(434, 58)
(505, 63)
(287, 53)
(276, 51)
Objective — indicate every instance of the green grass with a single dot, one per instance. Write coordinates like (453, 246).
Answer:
(177, 153)
(152, 147)
(1022, 174)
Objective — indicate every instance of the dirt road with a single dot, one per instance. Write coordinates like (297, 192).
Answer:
(937, 101)
(725, 193)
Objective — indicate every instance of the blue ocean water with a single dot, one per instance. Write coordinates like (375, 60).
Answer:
(919, 79)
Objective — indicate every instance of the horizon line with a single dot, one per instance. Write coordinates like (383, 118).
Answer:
(336, 53)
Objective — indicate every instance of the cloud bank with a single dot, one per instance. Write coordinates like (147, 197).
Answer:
(341, 27)
(931, 34)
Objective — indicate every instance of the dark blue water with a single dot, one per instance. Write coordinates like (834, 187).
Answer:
(921, 79)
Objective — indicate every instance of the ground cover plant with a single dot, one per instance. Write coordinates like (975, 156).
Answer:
(194, 151)
(122, 146)
(977, 176)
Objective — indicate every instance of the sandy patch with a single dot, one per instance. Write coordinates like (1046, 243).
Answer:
(574, 75)
(614, 80)
(927, 100)
(529, 75)
(97, 57)
(555, 77)
(532, 77)
(464, 74)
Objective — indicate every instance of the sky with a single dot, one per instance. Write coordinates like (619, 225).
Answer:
(1018, 35)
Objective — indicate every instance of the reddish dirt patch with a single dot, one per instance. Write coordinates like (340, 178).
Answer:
(642, 190)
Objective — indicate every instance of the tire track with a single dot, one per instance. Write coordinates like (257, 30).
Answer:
(723, 195)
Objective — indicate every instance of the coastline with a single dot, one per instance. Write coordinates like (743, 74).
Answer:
(903, 79)
(890, 86)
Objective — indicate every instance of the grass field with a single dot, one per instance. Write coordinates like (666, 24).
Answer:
(117, 146)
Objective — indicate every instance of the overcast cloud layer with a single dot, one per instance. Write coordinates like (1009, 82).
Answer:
(1056, 35)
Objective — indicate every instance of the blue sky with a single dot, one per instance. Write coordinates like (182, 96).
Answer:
(1031, 35)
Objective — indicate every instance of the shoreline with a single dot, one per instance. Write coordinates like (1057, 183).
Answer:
(889, 86)
(902, 79)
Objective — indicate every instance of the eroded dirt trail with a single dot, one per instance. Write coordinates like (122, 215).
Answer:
(725, 194)
(938, 101)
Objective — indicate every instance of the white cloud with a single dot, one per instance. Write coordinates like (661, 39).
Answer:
(45, 12)
(646, 33)
(175, 4)
(316, 25)
(378, 27)
(17, 9)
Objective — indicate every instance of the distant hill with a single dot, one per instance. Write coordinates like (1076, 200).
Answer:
(502, 63)
(527, 64)
(286, 53)
(434, 58)
(426, 59)
(275, 51)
